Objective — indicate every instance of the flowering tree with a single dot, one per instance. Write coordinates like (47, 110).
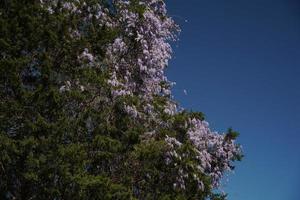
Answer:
(86, 108)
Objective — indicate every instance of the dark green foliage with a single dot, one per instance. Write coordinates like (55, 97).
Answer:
(76, 144)
(46, 149)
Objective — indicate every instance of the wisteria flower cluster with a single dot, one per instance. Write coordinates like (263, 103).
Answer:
(214, 152)
(142, 51)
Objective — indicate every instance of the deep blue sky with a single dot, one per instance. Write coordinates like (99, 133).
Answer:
(239, 61)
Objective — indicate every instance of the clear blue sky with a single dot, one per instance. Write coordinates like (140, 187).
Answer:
(239, 61)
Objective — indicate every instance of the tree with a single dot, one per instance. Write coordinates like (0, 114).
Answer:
(86, 109)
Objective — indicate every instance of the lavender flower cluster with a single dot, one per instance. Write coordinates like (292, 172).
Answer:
(143, 50)
(214, 152)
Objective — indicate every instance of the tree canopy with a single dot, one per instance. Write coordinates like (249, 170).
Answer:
(86, 110)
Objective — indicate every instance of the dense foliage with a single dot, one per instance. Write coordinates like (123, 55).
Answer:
(86, 109)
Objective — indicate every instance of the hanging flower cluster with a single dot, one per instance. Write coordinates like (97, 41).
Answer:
(139, 56)
(214, 154)
(214, 151)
